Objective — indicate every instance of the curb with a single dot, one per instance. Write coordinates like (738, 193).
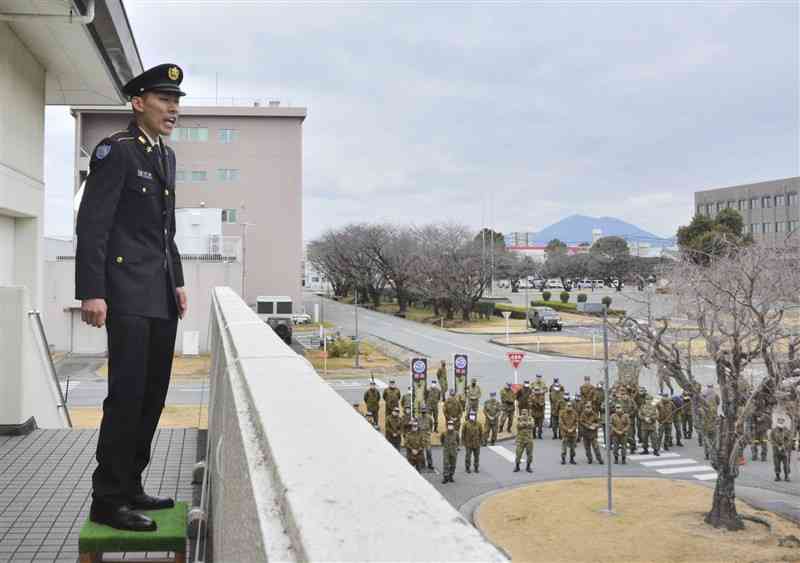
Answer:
(554, 354)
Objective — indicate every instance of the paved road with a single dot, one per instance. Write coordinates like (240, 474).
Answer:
(755, 482)
(488, 361)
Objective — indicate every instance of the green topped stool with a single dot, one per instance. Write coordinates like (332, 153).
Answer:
(97, 539)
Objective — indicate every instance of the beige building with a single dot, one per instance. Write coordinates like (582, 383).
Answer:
(770, 210)
(248, 162)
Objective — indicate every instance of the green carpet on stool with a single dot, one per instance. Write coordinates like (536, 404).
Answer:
(170, 535)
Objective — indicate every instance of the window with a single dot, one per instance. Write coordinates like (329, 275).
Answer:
(742, 205)
(227, 174)
(793, 225)
(780, 201)
(180, 175)
(780, 227)
(793, 199)
(753, 203)
(228, 215)
(731, 205)
(699, 209)
(228, 135)
(767, 228)
(199, 176)
(756, 228)
(264, 307)
(196, 134)
(720, 206)
(766, 202)
(283, 308)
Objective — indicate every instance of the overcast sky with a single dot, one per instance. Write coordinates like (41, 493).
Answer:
(517, 114)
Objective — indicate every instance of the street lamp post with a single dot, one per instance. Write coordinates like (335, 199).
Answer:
(610, 508)
(355, 308)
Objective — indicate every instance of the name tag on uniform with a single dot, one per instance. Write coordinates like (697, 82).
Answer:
(145, 174)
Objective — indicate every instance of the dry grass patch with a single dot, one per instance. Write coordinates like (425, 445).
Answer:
(173, 416)
(191, 368)
(369, 358)
(657, 521)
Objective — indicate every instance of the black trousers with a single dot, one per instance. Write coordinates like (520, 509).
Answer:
(140, 351)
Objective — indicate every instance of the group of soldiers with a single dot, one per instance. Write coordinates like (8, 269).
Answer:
(636, 418)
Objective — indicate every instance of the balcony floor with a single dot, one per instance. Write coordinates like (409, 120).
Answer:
(45, 486)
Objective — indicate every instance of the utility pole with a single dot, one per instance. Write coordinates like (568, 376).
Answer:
(355, 302)
(244, 258)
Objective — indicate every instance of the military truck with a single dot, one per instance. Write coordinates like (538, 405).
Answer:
(276, 311)
(544, 318)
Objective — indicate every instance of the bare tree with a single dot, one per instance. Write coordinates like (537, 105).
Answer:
(738, 299)
(394, 251)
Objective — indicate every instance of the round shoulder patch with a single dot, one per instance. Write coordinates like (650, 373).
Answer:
(102, 151)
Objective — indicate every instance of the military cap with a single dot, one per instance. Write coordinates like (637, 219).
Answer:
(433, 382)
(538, 375)
(424, 408)
(555, 380)
(508, 384)
(617, 406)
(567, 396)
(586, 378)
(493, 394)
(396, 409)
(391, 382)
(452, 391)
(372, 384)
(161, 78)
(599, 385)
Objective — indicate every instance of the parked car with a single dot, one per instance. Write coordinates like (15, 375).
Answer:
(585, 284)
(544, 319)
(276, 311)
(301, 318)
(554, 284)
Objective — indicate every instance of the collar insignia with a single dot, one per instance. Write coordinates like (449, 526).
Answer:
(142, 139)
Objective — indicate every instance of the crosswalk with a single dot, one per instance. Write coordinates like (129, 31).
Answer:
(675, 464)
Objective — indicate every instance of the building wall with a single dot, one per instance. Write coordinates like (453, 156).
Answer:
(22, 91)
(267, 195)
(781, 214)
(66, 332)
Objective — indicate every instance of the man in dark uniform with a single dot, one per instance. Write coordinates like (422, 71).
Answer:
(128, 277)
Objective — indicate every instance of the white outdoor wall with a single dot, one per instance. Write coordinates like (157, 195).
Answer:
(59, 292)
(27, 389)
(295, 474)
(6, 250)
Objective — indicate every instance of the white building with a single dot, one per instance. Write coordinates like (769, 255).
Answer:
(51, 53)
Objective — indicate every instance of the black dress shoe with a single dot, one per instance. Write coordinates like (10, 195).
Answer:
(122, 518)
(146, 502)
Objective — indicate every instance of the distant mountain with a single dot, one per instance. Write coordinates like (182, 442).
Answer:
(578, 228)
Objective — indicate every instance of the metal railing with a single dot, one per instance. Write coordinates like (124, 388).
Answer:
(47, 361)
(218, 248)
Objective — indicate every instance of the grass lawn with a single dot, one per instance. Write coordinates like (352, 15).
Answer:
(369, 358)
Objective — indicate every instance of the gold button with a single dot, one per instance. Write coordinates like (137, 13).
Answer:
(144, 190)
(166, 192)
(119, 259)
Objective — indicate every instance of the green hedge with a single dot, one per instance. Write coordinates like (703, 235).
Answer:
(517, 312)
(546, 295)
(564, 296)
(582, 298)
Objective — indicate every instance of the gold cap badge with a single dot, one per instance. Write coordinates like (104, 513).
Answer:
(174, 73)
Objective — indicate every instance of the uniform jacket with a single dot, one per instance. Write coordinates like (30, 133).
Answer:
(590, 422)
(432, 397)
(781, 439)
(620, 424)
(491, 409)
(648, 415)
(665, 410)
(372, 398)
(391, 396)
(472, 434)
(524, 430)
(568, 421)
(126, 252)
(507, 397)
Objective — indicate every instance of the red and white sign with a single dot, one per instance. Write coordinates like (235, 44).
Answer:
(515, 358)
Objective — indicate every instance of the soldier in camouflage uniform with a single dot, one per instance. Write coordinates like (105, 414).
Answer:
(394, 428)
(568, 428)
(472, 439)
(640, 398)
(587, 390)
(474, 396)
(432, 397)
(450, 444)
(391, 397)
(408, 418)
(460, 385)
(415, 446)
(688, 415)
(453, 409)
(507, 399)
(537, 405)
(372, 398)
(405, 402)
(556, 404)
(710, 420)
(524, 396)
(678, 407)
(648, 417)
(629, 408)
(441, 376)
(664, 408)
(590, 422)
(539, 384)
(781, 438)
(524, 440)
(599, 406)
(491, 415)
(426, 427)
(762, 422)
(620, 430)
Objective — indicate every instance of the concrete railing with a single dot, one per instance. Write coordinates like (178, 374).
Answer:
(294, 473)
